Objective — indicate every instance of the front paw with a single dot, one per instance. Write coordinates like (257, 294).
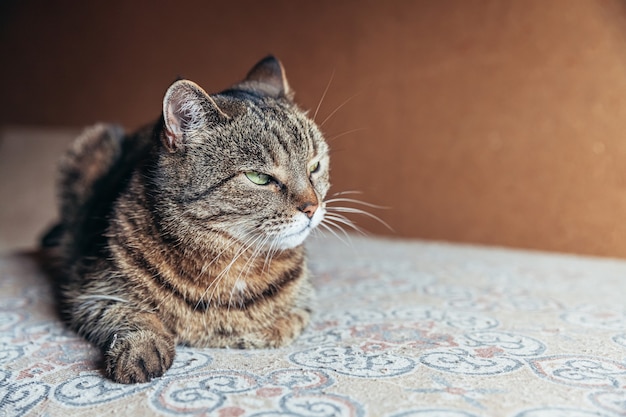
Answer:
(281, 332)
(138, 356)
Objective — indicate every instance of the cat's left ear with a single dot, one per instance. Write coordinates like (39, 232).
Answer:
(268, 78)
(187, 108)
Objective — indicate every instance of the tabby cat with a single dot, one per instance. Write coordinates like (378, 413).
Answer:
(190, 231)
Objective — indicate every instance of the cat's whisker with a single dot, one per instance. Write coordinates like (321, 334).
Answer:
(260, 247)
(355, 201)
(273, 249)
(332, 75)
(223, 251)
(253, 256)
(246, 245)
(336, 110)
(335, 221)
(246, 269)
(327, 225)
(359, 211)
(337, 136)
(344, 220)
(269, 256)
(230, 245)
(232, 292)
(317, 231)
(346, 192)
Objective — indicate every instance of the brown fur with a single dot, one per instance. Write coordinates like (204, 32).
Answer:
(164, 239)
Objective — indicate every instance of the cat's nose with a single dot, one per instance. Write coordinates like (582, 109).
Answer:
(308, 208)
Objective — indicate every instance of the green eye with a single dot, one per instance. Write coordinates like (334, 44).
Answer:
(314, 168)
(258, 178)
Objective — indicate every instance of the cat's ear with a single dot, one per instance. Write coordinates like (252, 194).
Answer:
(187, 108)
(268, 78)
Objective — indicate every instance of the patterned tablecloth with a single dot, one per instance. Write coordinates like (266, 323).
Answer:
(402, 328)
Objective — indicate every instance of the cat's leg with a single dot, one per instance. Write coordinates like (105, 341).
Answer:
(283, 322)
(285, 329)
(135, 343)
(280, 331)
(140, 354)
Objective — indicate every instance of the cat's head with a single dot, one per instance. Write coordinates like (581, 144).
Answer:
(246, 162)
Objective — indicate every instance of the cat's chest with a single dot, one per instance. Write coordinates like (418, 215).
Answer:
(223, 308)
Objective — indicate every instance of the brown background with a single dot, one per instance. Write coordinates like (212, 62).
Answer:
(497, 122)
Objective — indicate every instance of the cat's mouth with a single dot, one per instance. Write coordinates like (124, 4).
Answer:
(292, 239)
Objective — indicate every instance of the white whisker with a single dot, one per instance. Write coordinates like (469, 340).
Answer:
(337, 136)
(332, 75)
(359, 211)
(337, 109)
(273, 249)
(255, 254)
(317, 231)
(352, 200)
(329, 228)
(245, 246)
(346, 192)
(248, 264)
(344, 220)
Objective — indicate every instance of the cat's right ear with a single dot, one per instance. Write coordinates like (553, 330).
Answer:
(186, 109)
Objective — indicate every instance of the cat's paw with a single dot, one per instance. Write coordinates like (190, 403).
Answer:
(138, 356)
(281, 332)
(286, 329)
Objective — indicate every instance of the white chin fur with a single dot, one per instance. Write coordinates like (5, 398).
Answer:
(293, 240)
(299, 230)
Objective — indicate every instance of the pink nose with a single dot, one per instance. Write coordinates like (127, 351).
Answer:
(308, 208)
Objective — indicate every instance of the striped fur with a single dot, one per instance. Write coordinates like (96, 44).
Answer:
(164, 239)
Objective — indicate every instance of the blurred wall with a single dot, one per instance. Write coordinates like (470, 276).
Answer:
(489, 121)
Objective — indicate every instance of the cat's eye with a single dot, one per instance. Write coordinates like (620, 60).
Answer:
(314, 168)
(258, 178)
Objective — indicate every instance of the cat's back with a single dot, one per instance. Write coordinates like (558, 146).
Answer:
(93, 172)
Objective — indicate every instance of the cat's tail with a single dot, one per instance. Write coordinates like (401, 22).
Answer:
(89, 159)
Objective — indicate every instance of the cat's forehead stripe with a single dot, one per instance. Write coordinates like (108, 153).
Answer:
(272, 132)
(286, 129)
